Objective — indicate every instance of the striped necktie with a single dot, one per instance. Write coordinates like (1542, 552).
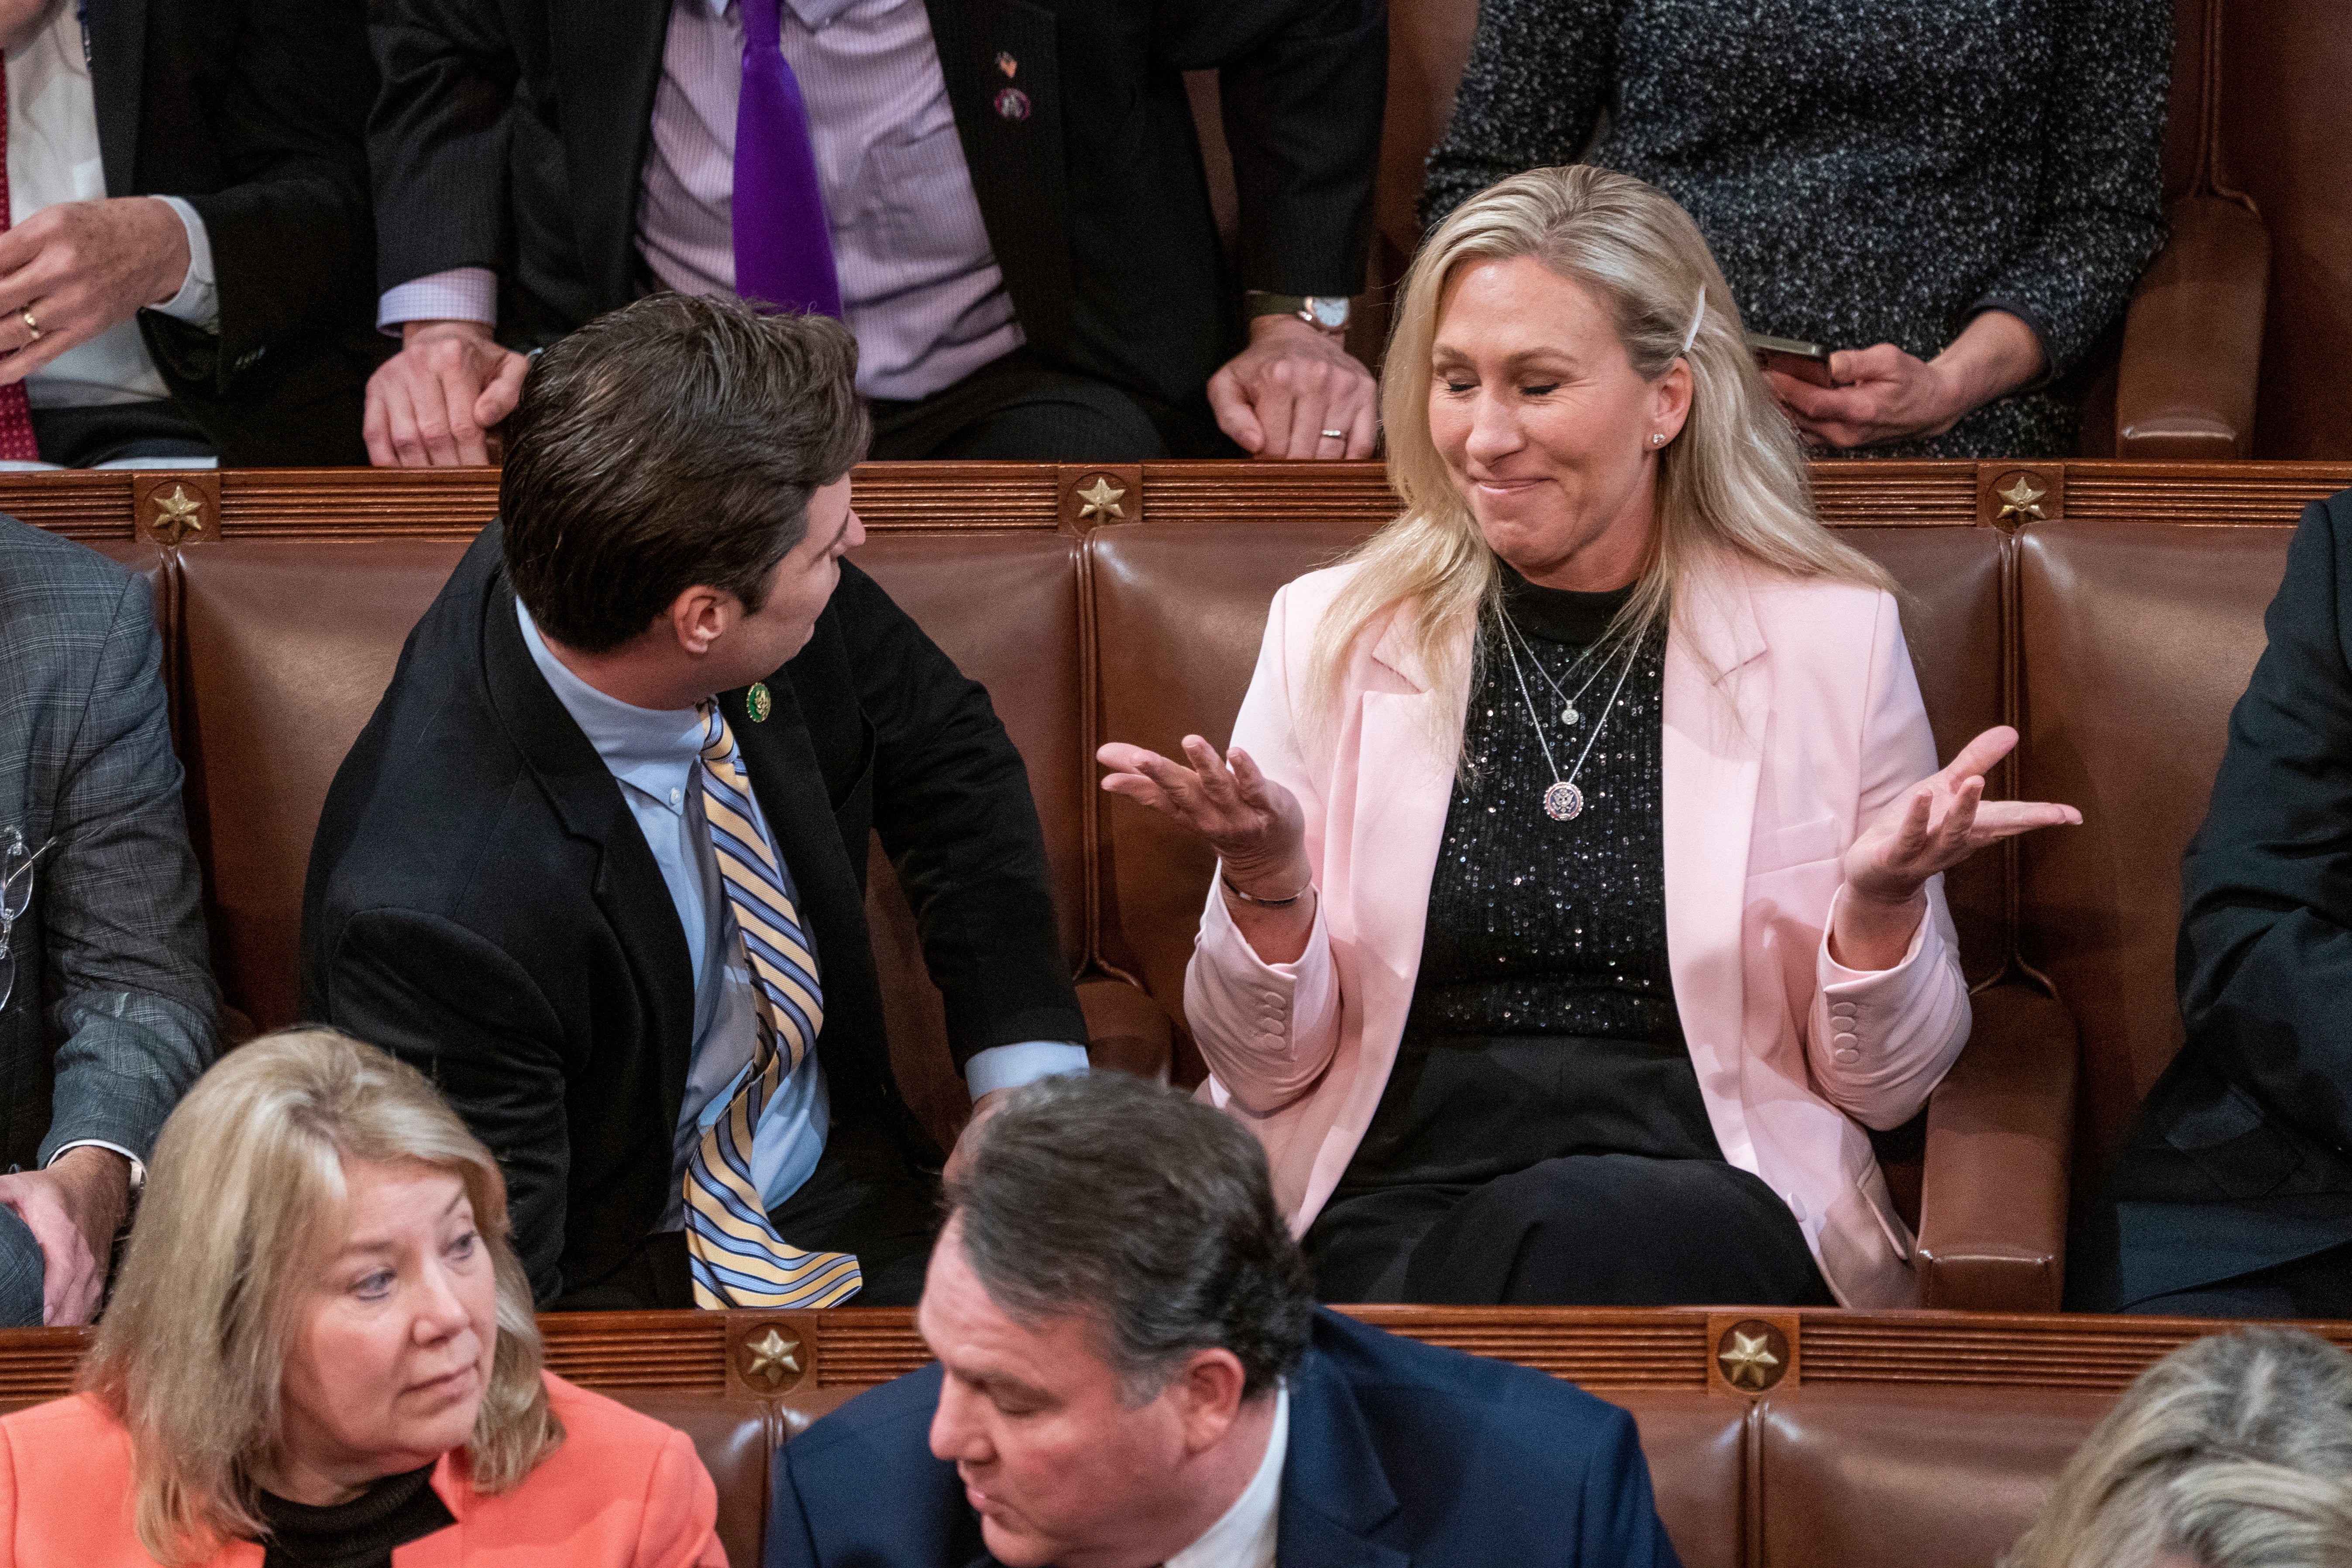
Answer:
(737, 1258)
(17, 442)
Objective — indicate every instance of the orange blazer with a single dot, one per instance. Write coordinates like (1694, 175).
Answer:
(621, 1491)
(1792, 718)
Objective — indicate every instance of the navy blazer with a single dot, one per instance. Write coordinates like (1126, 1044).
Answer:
(1400, 1453)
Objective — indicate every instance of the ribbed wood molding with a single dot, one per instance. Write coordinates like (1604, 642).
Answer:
(374, 504)
(816, 1357)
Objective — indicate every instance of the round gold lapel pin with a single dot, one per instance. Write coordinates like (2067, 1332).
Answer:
(758, 703)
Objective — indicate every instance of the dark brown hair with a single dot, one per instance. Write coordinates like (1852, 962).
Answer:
(1103, 1196)
(671, 443)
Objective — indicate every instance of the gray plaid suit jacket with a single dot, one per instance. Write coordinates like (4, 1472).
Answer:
(114, 1010)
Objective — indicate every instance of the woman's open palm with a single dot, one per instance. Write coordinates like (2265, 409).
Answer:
(1941, 821)
(1253, 823)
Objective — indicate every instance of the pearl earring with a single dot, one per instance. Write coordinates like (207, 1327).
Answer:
(1656, 439)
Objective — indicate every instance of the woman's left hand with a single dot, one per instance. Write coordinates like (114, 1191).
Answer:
(1931, 828)
(1886, 394)
(1883, 394)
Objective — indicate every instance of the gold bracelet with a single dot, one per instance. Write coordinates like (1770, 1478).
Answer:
(1254, 898)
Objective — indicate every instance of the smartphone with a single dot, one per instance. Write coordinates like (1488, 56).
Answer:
(1803, 360)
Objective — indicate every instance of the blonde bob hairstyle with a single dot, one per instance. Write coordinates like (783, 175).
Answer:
(244, 1204)
(1733, 482)
(2234, 1451)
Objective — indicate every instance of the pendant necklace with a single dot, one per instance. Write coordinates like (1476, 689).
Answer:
(1567, 713)
(1563, 801)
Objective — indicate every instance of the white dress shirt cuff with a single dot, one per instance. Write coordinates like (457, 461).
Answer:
(138, 1165)
(198, 301)
(460, 294)
(1010, 1067)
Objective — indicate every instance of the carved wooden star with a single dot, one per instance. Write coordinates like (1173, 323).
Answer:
(1745, 1363)
(773, 1356)
(2020, 499)
(1102, 500)
(179, 512)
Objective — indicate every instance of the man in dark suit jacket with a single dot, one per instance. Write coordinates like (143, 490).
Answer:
(1027, 251)
(107, 1006)
(1131, 1370)
(515, 884)
(2232, 1196)
(233, 224)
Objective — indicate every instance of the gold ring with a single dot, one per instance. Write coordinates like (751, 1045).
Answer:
(31, 325)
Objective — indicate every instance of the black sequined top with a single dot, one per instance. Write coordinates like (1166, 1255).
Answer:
(1543, 1020)
(1865, 170)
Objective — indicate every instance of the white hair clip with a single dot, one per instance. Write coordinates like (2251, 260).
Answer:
(1697, 316)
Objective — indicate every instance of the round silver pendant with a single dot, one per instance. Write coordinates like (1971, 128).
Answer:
(1569, 715)
(1563, 801)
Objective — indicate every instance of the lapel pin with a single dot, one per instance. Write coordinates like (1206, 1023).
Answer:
(1007, 64)
(1013, 104)
(758, 703)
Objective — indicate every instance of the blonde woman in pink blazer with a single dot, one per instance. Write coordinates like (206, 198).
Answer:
(1579, 901)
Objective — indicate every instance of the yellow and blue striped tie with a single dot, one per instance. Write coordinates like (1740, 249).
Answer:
(736, 1255)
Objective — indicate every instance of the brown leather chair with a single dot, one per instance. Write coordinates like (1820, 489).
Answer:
(285, 647)
(1864, 1476)
(2135, 640)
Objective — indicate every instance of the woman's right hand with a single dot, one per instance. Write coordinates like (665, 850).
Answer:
(1253, 823)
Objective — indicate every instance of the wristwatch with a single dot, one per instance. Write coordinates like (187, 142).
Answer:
(1325, 312)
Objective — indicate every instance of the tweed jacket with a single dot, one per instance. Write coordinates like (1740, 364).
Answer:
(1865, 173)
(112, 1015)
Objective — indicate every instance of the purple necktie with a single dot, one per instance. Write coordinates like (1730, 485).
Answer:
(783, 242)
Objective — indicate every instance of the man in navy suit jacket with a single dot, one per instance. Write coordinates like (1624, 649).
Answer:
(1132, 1373)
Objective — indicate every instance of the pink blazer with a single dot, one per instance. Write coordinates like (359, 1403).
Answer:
(622, 1491)
(1790, 714)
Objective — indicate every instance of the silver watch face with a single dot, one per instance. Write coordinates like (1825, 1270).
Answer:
(1329, 312)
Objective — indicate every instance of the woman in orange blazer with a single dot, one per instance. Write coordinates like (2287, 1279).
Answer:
(321, 1348)
(1580, 902)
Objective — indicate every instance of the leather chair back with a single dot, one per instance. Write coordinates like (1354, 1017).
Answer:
(1864, 1476)
(2135, 640)
(1005, 605)
(288, 647)
(2283, 140)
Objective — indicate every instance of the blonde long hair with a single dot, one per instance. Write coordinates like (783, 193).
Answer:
(2234, 1451)
(1733, 482)
(245, 1193)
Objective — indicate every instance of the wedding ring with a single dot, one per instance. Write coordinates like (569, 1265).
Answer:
(1335, 435)
(31, 325)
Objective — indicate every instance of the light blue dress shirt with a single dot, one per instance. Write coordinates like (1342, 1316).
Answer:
(656, 757)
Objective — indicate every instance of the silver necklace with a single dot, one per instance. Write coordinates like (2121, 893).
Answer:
(1563, 801)
(1567, 713)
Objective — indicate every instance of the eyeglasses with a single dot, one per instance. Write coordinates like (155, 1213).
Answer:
(17, 858)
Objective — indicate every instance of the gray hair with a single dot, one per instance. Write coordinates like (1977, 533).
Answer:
(1105, 1196)
(2234, 1451)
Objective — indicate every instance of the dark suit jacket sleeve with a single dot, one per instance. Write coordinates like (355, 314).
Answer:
(1618, 1524)
(289, 223)
(2265, 957)
(455, 1008)
(952, 804)
(116, 898)
(438, 139)
(1303, 83)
